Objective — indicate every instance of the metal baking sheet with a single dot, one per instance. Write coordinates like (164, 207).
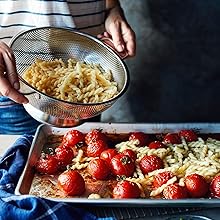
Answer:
(44, 131)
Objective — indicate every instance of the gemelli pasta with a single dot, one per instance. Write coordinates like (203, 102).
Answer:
(180, 161)
(73, 81)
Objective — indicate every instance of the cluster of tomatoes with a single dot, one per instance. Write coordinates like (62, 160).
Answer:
(109, 163)
(195, 186)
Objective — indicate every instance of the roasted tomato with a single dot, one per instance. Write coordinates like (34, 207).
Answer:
(122, 165)
(215, 187)
(150, 163)
(156, 145)
(108, 154)
(71, 183)
(64, 155)
(188, 135)
(162, 178)
(172, 138)
(72, 137)
(95, 135)
(130, 153)
(143, 138)
(95, 148)
(47, 164)
(196, 185)
(175, 191)
(125, 190)
(99, 169)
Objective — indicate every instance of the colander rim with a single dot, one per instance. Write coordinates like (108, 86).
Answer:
(75, 31)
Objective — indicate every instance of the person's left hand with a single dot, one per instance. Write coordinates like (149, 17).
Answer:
(120, 32)
(9, 82)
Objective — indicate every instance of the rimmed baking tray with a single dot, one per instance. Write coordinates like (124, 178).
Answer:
(44, 131)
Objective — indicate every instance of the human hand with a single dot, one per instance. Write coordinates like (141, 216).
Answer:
(120, 32)
(9, 84)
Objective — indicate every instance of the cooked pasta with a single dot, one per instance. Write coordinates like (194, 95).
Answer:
(79, 166)
(181, 160)
(79, 156)
(73, 81)
(199, 157)
(161, 188)
(141, 151)
(131, 144)
(94, 196)
(138, 171)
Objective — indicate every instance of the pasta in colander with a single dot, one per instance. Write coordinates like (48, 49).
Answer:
(73, 81)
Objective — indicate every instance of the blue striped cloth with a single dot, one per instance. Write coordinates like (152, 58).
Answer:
(25, 206)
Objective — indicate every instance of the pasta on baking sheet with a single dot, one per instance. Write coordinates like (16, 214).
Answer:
(194, 157)
(73, 81)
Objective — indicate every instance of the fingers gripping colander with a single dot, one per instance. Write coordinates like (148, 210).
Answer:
(49, 43)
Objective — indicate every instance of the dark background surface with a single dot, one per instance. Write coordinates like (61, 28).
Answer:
(175, 76)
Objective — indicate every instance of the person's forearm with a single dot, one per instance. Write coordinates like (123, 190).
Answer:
(112, 3)
(114, 8)
(118, 28)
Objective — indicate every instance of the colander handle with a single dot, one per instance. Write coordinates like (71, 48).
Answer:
(108, 41)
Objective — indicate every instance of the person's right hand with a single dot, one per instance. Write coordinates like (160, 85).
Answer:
(118, 29)
(9, 83)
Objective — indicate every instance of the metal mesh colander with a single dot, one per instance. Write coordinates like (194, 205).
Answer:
(49, 43)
